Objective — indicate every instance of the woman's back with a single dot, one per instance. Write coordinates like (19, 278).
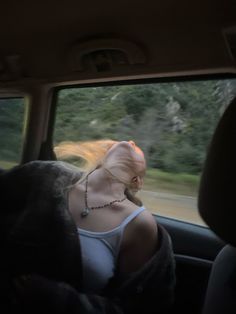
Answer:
(100, 253)
(121, 236)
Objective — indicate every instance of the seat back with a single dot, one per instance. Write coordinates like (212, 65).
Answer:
(217, 206)
(221, 291)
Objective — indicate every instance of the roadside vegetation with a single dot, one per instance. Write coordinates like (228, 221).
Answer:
(172, 123)
(177, 183)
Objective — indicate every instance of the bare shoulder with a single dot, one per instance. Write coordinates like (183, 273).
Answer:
(140, 243)
(145, 230)
(146, 222)
(144, 225)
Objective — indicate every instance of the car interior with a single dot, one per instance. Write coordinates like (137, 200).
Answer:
(47, 47)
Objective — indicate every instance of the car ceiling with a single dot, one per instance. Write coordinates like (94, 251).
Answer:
(40, 39)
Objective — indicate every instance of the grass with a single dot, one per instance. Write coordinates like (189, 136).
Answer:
(177, 183)
(7, 164)
(156, 180)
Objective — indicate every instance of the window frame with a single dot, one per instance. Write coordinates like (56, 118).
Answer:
(46, 152)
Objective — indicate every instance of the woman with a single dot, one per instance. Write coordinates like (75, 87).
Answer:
(126, 259)
(115, 233)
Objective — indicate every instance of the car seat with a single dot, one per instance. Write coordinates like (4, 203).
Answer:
(217, 206)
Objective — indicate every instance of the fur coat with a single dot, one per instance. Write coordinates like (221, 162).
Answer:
(41, 262)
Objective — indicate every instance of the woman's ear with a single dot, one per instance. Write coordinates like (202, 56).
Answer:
(137, 182)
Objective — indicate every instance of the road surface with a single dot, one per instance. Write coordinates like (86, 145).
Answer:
(180, 207)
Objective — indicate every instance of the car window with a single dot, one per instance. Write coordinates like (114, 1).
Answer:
(12, 112)
(172, 123)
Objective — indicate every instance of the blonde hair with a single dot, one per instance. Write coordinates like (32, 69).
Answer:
(91, 154)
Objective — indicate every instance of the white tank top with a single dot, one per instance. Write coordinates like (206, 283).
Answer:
(99, 254)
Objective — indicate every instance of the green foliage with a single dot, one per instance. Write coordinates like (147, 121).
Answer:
(180, 183)
(172, 122)
(11, 128)
(81, 111)
(185, 178)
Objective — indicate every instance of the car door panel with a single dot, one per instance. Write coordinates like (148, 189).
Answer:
(195, 248)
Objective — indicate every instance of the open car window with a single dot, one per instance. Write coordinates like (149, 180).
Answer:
(171, 122)
(12, 117)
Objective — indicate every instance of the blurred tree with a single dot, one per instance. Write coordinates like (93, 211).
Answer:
(172, 122)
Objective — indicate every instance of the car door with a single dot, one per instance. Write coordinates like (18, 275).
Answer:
(195, 248)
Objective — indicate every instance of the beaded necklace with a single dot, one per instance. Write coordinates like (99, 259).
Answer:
(87, 208)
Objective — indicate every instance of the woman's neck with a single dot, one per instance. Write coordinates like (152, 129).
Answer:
(101, 181)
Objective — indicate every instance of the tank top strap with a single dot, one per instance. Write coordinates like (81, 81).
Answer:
(131, 217)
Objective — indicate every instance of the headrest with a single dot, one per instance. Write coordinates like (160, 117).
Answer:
(217, 192)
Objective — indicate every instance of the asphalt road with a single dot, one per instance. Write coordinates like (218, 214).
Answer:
(180, 207)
